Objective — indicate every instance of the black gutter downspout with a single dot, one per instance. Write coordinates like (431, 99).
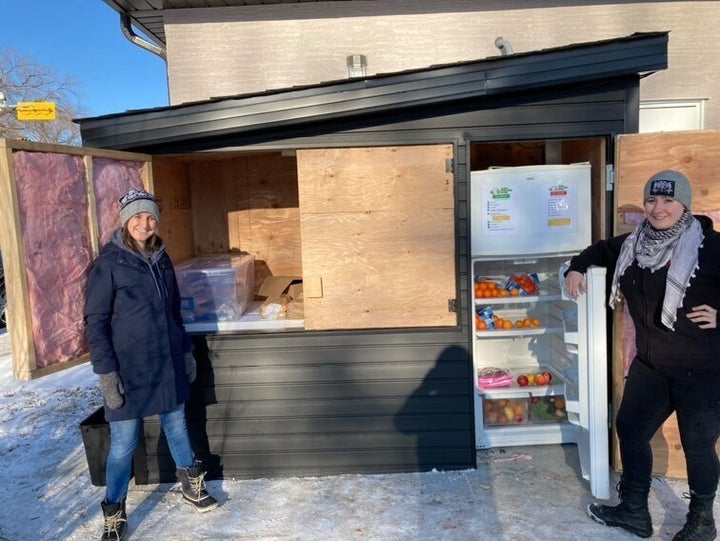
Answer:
(126, 27)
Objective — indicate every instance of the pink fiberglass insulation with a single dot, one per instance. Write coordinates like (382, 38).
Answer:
(112, 179)
(56, 241)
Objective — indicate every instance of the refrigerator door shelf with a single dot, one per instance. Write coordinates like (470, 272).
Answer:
(527, 434)
(515, 391)
(543, 296)
(505, 333)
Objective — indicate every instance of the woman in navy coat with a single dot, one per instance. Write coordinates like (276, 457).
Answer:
(141, 353)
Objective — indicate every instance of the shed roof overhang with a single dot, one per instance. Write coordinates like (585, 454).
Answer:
(158, 129)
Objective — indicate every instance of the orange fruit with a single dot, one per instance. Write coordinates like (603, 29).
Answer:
(481, 325)
(535, 322)
(507, 325)
(519, 323)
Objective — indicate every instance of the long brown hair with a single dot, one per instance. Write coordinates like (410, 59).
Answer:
(151, 245)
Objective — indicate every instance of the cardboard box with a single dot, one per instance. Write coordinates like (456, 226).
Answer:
(283, 297)
(274, 286)
(218, 287)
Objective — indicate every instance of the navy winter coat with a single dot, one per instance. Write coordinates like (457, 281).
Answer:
(134, 327)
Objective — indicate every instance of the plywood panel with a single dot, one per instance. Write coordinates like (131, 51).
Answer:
(386, 178)
(273, 217)
(172, 189)
(377, 230)
(248, 203)
(694, 153)
(217, 193)
(639, 156)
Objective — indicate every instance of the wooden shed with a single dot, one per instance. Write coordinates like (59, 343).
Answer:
(359, 187)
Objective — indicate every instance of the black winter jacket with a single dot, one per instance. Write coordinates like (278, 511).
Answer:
(687, 346)
(134, 327)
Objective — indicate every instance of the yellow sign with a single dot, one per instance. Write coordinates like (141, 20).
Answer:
(35, 110)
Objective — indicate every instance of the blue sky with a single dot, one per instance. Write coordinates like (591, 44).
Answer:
(82, 39)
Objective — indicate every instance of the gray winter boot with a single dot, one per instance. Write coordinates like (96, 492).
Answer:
(700, 525)
(193, 488)
(115, 521)
(631, 514)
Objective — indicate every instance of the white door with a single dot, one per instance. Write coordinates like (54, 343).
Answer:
(588, 404)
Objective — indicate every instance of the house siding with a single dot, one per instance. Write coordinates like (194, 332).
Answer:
(231, 51)
(307, 403)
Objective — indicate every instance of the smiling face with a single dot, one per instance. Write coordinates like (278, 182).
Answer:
(141, 227)
(663, 212)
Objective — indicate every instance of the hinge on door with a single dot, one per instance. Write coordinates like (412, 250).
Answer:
(609, 178)
(452, 305)
(449, 165)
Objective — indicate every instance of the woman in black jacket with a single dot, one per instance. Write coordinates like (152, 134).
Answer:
(668, 272)
(141, 353)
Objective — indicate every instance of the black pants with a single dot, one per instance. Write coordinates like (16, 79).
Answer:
(650, 396)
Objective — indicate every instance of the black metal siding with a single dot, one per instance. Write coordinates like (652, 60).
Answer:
(387, 401)
(312, 404)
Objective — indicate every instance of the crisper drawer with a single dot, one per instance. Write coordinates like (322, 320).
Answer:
(505, 411)
(523, 410)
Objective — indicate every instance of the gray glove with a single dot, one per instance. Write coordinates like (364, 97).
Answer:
(190, 366)
(112, 389)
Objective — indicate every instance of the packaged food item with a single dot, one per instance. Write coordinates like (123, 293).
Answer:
(491, 378)
(523, 284)
(486, 287)
(486, 319)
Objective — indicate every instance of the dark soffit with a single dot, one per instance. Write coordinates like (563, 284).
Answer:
(636, 54)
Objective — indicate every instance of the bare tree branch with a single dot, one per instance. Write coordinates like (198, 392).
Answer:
(22, 79)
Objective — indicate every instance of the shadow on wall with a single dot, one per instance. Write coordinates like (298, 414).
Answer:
(439, 414)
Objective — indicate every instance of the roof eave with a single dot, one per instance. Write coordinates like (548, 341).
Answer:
(579, 64)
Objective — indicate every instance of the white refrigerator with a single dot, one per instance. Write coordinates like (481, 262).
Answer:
(539, 357)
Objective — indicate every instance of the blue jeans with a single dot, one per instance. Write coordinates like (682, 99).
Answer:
(123, 441)
(650, 396)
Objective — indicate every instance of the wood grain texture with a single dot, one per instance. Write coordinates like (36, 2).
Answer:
(378, 230)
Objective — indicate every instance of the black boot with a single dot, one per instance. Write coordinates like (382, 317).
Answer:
(700, 524)
(631, 514)
(193, 488)
(115, 521)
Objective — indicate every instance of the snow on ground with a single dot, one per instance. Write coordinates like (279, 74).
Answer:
(516, 494)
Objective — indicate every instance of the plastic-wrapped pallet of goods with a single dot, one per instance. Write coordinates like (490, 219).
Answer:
(216, 287)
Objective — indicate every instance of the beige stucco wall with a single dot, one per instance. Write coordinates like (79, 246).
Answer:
(228, 51)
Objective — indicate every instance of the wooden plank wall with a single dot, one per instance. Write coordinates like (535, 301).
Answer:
(232, 202)
(697, 155)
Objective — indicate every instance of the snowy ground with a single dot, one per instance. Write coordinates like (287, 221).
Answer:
(516, 494)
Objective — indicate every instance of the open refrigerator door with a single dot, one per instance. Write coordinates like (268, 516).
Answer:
(588, 406)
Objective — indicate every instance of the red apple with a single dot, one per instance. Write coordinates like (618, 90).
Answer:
(522, 380)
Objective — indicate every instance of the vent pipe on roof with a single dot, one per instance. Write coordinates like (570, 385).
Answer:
(126, 27)
(504, 46)
(357, 65)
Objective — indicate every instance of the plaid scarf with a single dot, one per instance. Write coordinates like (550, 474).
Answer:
(653, 249)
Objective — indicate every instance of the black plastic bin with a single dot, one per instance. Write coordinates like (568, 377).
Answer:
(96, 440)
